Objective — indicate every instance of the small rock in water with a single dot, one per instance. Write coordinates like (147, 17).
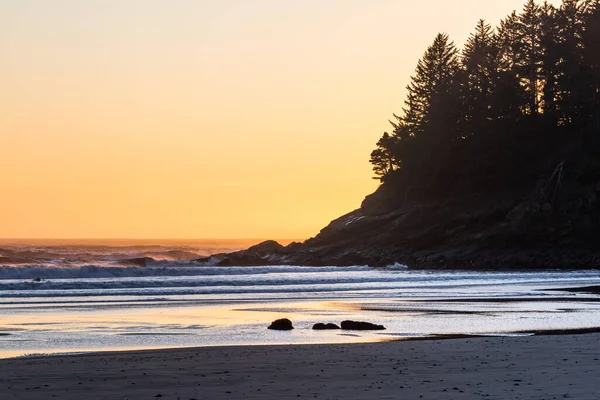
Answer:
(322, 327)
(283, 324)
(361, 326)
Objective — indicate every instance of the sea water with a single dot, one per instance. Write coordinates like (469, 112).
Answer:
(81, 296)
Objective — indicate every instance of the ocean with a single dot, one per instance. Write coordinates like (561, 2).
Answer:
(67, 296)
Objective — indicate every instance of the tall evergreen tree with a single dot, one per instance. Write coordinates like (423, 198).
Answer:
(480, 73)
(507, 37)
(591, 61)
(529, 53)
(424, 120)
(571, 81)
(550, 63)
(434, 75)
(509, 99)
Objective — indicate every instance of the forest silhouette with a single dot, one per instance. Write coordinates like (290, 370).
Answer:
(518, 101)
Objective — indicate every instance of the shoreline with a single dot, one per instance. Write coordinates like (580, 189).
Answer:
(431, 337)
(502, 367)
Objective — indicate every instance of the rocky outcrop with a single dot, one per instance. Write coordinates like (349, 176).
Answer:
(266, 246)
(322, 327)
(361, 326)
(283, 324)
(264, 253)
(547, 225)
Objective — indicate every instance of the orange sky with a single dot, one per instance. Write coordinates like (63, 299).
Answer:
(197, 119)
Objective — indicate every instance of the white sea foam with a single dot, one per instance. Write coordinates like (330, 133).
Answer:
(397, 265)
(159, 268)
(178, 280)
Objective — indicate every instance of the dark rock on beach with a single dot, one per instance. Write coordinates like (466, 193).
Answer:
(283, 324)
(361, 326)
(322, 327)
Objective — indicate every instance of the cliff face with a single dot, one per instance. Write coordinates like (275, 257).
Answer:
(548, 225)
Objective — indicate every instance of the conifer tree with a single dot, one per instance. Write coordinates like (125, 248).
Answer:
(508, 42)
(550, 63)
(425, 119)
(529, 54)
(571, 81)
(509, 100)
(434, 75)
(479, 59)
(382, 158)
(591, 61)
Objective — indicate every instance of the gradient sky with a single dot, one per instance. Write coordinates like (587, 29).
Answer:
(191, 118)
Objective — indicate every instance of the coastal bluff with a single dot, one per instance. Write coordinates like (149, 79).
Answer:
(541, 225)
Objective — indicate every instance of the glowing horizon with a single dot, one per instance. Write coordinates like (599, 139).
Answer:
(203, 119)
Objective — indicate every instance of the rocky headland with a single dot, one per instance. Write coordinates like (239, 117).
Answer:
(550, 224)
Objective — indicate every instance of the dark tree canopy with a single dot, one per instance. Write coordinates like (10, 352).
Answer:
(516, 99)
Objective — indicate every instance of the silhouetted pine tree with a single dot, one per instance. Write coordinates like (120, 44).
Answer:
(426, 117)
(508, 42)
(509, 99)
(480, 75)
(570, 19)
(529, 53)
(382, 158)
(551, 59)
(591, 61)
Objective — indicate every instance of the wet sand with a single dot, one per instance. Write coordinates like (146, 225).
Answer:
(537, 367)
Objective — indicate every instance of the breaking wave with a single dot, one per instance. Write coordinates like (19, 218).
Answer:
(31, 274)
(158, 268)
(103, 254)
(397, 265)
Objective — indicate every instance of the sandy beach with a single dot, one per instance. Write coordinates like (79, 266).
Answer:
(539, 367)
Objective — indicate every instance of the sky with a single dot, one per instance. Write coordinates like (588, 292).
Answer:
(203, 118)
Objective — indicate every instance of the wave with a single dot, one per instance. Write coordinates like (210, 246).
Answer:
(279, 282)
(117, 281)
(78, 255)
(139, 261)
(397, 265)
(149, 291)
(151, 268)
(175, 255)
(350, 288)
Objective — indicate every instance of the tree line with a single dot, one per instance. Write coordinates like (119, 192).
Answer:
(516, 99)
